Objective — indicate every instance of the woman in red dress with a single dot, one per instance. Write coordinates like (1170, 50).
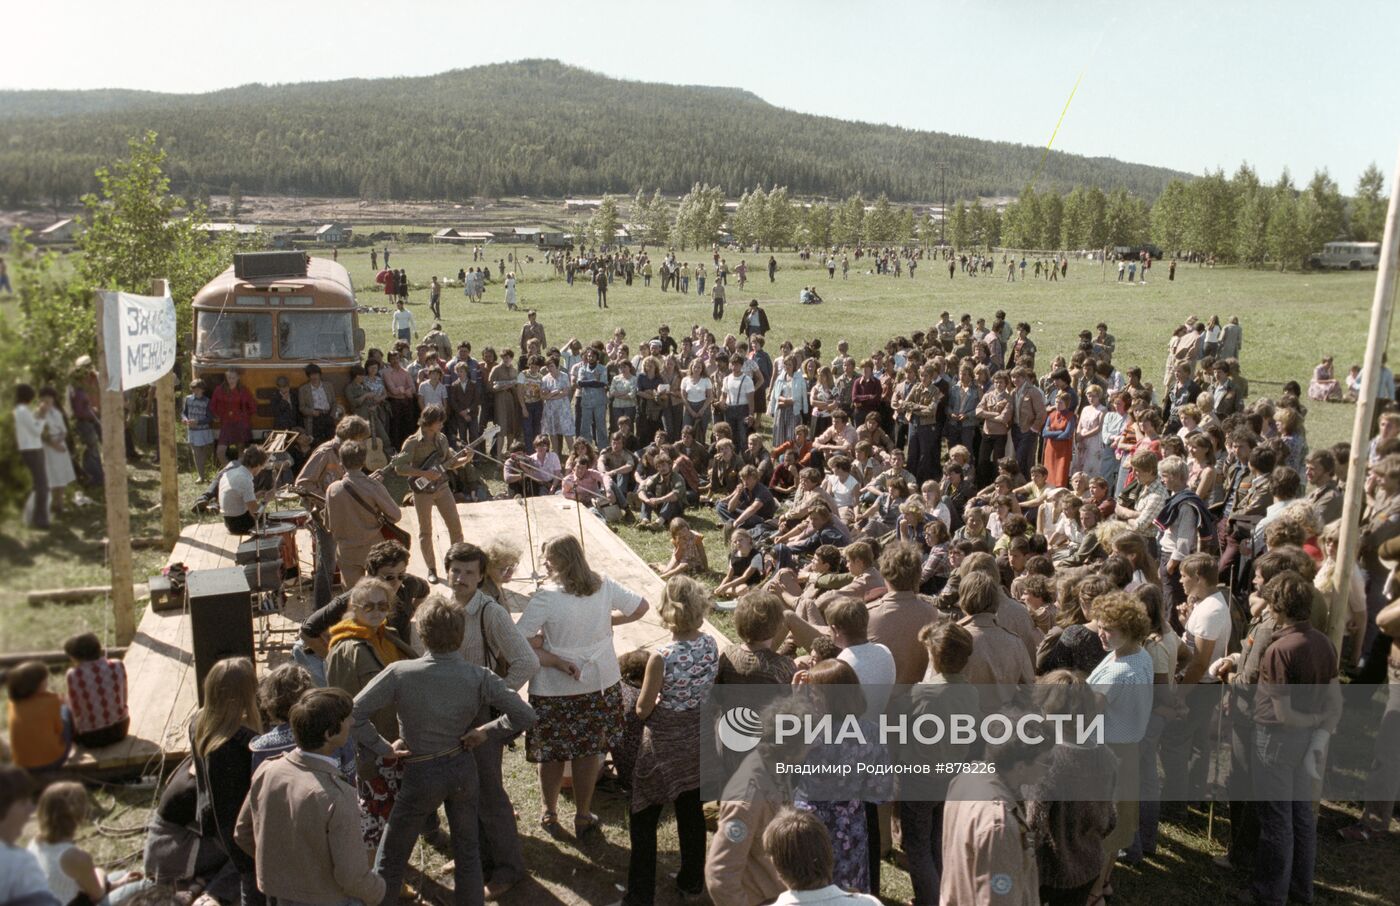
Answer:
(1059, 441)
(233, 405)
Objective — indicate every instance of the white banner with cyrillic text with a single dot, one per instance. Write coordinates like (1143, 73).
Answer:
(139, 337)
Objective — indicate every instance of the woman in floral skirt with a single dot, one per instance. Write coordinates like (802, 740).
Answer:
(576, 694)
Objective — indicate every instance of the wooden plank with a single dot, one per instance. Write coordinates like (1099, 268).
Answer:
(160, 663)
(165, 429)
(115, 484)
(160, 667)
(69, 595)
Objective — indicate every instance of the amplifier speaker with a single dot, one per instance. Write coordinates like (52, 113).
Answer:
(262, 265)
(221, 619)
(258, 550)
(264, 576)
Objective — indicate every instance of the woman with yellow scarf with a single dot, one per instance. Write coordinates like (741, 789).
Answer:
(361, 646)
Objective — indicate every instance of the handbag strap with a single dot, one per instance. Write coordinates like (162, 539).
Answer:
(492, 659)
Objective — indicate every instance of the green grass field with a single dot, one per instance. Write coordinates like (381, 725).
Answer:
(1288, 320)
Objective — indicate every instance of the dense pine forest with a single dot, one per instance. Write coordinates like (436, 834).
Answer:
(530, 128)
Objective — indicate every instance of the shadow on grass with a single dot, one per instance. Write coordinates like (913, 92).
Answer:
(61, 539)
(1183, 871)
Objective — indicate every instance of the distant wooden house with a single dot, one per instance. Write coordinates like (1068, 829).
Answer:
(332, 233)
(478, 237)
(242, 232)
(449, 234)
(575, 205)
(522, 234)
(286, 239)
(62, 231)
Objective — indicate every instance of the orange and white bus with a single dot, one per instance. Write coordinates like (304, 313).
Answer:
(272, 314)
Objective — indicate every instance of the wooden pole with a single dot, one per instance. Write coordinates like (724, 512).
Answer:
(169, 458)
(1382, 303)
(114, 484)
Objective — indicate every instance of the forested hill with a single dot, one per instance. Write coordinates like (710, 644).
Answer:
(535, 127)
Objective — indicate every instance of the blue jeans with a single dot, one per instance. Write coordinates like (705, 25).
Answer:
(922, 823)
(1283, 863)
(785, 555)
(701, 422)
(666, 512)
(531, 422)
(1025, 443)
(923, 452)
(449, 781)
(90, 437)
(1150, 790)
(313, 662)
(735, 416)
(726, 516)
(591, 424)
(699, 286)
(324, 580)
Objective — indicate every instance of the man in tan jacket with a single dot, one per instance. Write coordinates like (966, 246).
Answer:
(1027, 417)
(301, 820)
(320, 471)
(738, 871)
(354, 504)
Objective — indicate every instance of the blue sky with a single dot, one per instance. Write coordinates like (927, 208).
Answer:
(1190, 85)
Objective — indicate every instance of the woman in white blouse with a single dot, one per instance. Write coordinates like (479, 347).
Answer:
(698, 398)
(577, 692)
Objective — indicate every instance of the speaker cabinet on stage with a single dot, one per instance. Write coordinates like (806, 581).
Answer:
(221, 619)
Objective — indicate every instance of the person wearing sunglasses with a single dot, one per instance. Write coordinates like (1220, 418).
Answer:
(388, 562)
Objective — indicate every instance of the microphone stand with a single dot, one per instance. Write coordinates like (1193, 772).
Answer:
(530, 540)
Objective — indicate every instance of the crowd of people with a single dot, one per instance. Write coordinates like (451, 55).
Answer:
(956, 506)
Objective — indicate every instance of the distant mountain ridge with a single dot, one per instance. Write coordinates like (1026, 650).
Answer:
(534, 127)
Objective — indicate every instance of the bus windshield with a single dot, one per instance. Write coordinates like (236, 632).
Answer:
(315, 335)
(234, 335)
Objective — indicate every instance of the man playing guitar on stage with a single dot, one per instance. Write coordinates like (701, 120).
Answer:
(355, 507)
(425, 460)
(322, 468)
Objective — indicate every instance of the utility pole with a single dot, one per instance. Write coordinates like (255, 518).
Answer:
(1377, 338)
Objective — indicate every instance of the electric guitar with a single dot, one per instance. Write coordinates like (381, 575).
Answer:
(425, 485)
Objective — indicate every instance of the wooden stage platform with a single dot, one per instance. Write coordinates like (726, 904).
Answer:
(160, 665)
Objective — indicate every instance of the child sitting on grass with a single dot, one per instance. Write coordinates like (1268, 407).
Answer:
(758, 620)
(745, 565)
(72, 874)
(687, 552)
(40, 734)
(96, 693)
(633, 666)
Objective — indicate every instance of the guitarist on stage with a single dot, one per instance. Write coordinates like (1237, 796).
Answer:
(424, 460)
(315, 478)
(354, 507)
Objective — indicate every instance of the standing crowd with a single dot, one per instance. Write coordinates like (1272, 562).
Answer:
(954, 507)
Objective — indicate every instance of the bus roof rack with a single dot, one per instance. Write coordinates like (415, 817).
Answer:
(264, 265)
